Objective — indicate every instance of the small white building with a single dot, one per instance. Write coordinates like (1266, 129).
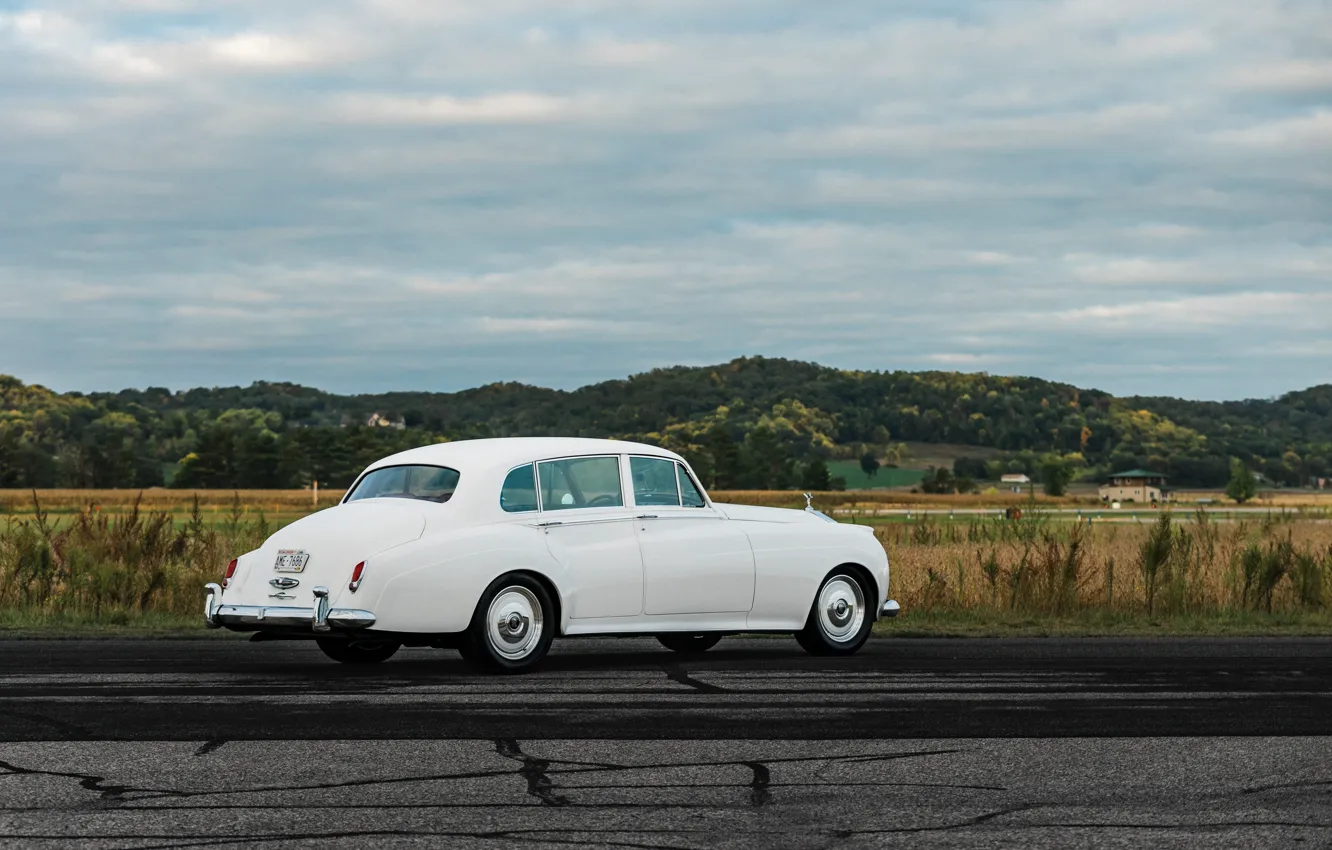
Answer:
(1015, 480)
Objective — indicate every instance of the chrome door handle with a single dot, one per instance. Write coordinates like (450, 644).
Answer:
(548, 524)
(646, 516)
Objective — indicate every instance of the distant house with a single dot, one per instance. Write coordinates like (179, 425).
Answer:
(378, 420)
(1016, 480)
(1135, 485)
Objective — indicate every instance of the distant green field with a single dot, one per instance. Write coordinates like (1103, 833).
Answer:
(856, 479)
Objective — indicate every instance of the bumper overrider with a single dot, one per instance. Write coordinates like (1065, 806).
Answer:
(890, 609)
(317, 618)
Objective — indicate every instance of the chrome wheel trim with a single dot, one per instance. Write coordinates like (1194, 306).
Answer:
(841, 608)
(514, 623)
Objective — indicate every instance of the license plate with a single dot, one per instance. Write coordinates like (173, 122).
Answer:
(291, 560)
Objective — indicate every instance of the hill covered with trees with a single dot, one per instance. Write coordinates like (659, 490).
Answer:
(754, 422)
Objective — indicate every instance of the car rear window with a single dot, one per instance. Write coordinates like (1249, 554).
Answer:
(427, 483)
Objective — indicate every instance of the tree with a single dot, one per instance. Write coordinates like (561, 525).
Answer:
(815, 476)
(938, 481)
(970, 467)
(869, 464)
(767, 463)
(1242, 486)
(1055, 476)
(727, 465)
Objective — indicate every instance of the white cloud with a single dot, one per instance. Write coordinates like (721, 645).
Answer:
(1140, 270)
(1286, 76)
(505, 108)
(262, 50)
(1311, 132)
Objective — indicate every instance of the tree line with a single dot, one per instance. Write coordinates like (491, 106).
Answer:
(752, 423)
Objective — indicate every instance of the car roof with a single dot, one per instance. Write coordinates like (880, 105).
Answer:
(504, 453)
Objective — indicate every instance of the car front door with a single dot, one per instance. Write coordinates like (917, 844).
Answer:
(695, 561)
(590, 529)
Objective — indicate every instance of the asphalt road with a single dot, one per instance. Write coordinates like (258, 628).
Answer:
(984, 743)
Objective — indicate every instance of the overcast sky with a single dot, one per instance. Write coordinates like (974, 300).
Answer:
(1134, 195)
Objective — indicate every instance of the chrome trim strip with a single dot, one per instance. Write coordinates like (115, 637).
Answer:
(319, 621)
(214, 592)
(263, 615)
(890, 609)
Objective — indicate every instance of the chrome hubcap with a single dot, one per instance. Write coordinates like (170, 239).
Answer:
(841, 609)
(514, 622)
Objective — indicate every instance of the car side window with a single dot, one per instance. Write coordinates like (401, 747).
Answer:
(654, 481)
(519, 493)
(690, 496)
(580, 482)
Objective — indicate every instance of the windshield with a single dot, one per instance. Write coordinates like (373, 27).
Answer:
(428, 483)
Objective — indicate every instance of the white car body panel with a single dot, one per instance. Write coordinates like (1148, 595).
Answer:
(621, 570)
(695, 561)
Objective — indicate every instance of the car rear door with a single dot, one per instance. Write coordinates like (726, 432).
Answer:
(589, 528)
(695, 561)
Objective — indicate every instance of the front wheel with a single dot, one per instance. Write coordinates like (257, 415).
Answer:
(678, 642)
(839, 621)
(512, 628)
(358, 651)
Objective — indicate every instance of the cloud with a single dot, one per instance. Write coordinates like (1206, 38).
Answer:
(435, 195)
(509, 107)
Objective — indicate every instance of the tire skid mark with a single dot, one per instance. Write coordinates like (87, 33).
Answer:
(72, 731)
(759, 787)
(676, 673)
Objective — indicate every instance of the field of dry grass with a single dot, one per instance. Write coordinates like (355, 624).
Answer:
(1173, 566)
(107, 560)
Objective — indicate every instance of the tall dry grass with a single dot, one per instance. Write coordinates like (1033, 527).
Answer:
(1171, 566)
(116, 567)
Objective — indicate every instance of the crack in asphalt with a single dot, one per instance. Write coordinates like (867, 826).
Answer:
(537, 771)
(87, 781)
(209, 746)
(533, 769)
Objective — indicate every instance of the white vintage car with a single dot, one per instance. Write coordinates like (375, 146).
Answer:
(496, 547)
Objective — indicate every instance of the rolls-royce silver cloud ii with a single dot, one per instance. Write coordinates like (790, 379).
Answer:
(497, 547)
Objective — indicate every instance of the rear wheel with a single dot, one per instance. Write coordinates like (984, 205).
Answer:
(358, 651)
(839, 621)
(512, 628)
(679, 642)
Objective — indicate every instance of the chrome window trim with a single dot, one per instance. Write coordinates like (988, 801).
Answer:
(346, 497)
(707, 500)
(619, 470)
(679, 497)
(535, 483)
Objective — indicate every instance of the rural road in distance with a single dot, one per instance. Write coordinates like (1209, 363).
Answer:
(618, 743)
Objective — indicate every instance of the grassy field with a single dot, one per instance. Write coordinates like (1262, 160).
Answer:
(102, 563)
(885, 477)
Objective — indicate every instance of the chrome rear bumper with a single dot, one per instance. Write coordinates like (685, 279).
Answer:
(318, 618)
(890, 609)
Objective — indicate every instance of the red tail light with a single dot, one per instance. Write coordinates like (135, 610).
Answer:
(231, 571)
(356, 577)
